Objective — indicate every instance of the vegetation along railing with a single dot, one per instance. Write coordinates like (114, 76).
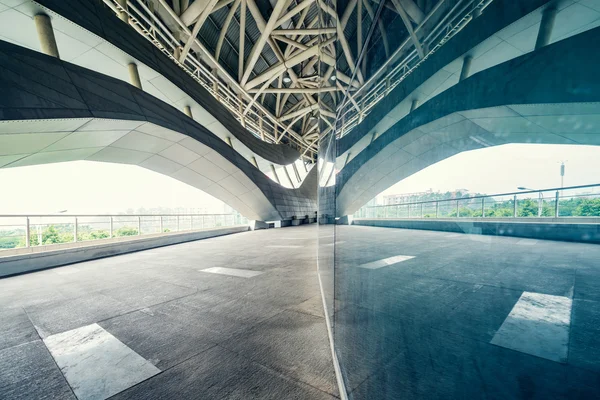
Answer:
(18, 231)
(574, 201)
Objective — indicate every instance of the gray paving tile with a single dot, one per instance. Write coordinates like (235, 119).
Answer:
(29, 372)
(16, 328)
(220, 374)
(292, 343)
(161, 341)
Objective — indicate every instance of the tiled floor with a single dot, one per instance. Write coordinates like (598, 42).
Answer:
(500, 318)
(221, 318)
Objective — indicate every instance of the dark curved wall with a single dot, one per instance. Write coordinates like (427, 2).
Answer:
(498, 15)
(563, 72)
(36, 86)
(97, 18)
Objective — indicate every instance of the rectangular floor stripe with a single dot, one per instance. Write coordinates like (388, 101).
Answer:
(527, 242)
(538, 325)
(242, 273)
(385, 262)
(96, 364)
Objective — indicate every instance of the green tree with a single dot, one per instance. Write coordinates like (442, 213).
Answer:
(587, 208)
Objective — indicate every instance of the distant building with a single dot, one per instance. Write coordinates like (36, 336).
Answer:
(391, 199)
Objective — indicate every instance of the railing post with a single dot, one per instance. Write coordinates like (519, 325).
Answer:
(385, 212)
(515, 206)
(161, 224)
(139, 226)
(482, 207)
(75, 231)
(27, 232)
(408, 206)
(421, 210)
(437, 208)
(556, 205)
(540, 204)
(203, 222)
(457, 211)
(111, 227)
(191, 222)
(178, 223)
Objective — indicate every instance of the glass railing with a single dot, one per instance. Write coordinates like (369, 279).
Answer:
(568, 202)
(22, 231)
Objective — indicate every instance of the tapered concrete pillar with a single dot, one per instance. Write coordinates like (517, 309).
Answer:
(466, 68)
(275, 174)
(546, 26)
(43, 24)
(414, 105)
(188, 111)
(122, 14)
(134, 76)
(254, 161)
(228, 139)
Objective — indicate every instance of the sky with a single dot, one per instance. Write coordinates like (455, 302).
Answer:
(502, 169)
(96, 188)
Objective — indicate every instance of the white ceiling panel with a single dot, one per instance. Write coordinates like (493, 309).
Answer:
(508, 125)
(161, 132)
(4, 160)
(78, 140)
(588, 123)
(55, 157)
(161, 165)
(192, 178)
(99, 62)
(139, 141)
(233, 185)
(120, 156)
(26, 143)
(194, 145)
(40, 126)
(179, 154)
(19, 28)
(208, 169)
(101, 124)
(221, 162)
(173, 93)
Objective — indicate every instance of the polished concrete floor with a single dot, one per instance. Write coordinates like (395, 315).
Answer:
(432, 315)
(181, 322)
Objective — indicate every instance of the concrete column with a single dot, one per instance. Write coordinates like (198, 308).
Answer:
(254, 161)
(228, 139)
(546, 26)
(414, 105)
(275, 173)
(134, 76)
(123, 15)
(466, 68)
(45, 32)
(188, 111)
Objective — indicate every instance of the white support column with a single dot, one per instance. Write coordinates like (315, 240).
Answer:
(43, 24)
(275, 174)
(414, 105)
(228, 139)
(123, 15)
(188, 111)
(466, 68)
(546, 26)
(134, 76)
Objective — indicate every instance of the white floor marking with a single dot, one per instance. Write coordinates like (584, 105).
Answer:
(385, 262)
(538, 325)
(242, 273)
(96, 364)
(331, 244)
(284, 246)
(452, 235)
(527, 242)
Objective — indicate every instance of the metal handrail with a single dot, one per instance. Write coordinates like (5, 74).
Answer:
(135, 219)
(470, 199)
(493, 195)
